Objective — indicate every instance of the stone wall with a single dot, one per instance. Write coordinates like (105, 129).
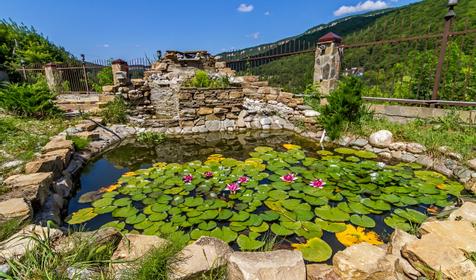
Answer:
(197, 106)
(403, 114)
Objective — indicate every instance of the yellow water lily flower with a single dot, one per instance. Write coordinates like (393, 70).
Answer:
(354, 235)
(129, 174)
(111, 188)
(291, 147)
(160, 164)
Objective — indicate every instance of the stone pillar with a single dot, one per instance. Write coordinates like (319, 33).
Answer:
(120, 72)
(328, 63)
(53, 78)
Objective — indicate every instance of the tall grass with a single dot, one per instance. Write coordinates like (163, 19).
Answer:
(9, 228)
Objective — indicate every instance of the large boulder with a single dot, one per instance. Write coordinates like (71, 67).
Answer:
(381, 139)
(467, 212)
(364, 261)
(472, 163)
(32, 187)
(99, 237)
(58, 144)
(441, 250)
(50, 163)
(15, 208)
(321, 272)
(398, 240)
(17, 245)
(275, 265)
(133, 247)
(203, 255)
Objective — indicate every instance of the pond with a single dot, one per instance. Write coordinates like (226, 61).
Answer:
(257, 190)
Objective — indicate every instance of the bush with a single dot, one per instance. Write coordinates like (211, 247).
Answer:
(34, 100)
(150, 137)
(115, 111)
(203, 80)
(79, 142)
(345, 106)
(104, 78)
(312, 96)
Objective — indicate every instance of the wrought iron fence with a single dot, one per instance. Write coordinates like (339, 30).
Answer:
(82, 77)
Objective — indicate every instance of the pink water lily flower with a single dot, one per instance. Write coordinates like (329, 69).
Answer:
(243, 180)
(187, 179)
(208, 174)
(233, 187)
(289, 178)
(318, 184)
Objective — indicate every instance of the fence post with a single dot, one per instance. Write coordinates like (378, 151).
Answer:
(85, 73)
(22, 62)
(327, 63)
(444, 44)
(120, 72)
(52, 77)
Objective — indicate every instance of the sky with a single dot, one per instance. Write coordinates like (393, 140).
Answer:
(128, 29)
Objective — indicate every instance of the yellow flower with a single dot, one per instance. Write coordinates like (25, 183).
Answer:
(111, 188)
(215, 157)
(354, 235)
(291, 147)
(160, 164)
(129, 174)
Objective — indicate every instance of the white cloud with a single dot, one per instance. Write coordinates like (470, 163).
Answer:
(105, 46)
(267, 13)
(369, 5)
(255, 35)
(245, 8)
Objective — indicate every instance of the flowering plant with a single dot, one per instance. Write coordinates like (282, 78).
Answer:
(289, 178)
(187, 179)
(318, 184)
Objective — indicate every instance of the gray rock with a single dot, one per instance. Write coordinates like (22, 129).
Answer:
(80, 273)
(359, 142)
(4, 268)
(408, 157)
(472, 164)
(321, 272)
(344, 141)
(274, 265)
(381, 139)
(203, 255)
(11, 164)
(463, 174)
(440, 167)
(311, 113)
(416, 148)
(425, 161)
(213, 125)
(15, 208)
(467, 212)
(265, 121)
(398, 146)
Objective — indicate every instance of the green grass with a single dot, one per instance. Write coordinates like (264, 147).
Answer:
(115, 111)
(435, 133)
(43, 262)
(21, 138)
(151, 137)
(79, 142)
(9, 228)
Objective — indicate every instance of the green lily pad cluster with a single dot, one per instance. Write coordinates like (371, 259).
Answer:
(179, 199)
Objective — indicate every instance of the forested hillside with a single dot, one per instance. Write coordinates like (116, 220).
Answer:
(426, 17)
(19, 42)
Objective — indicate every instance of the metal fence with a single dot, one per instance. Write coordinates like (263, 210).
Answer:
(83, 77)
(436, 67)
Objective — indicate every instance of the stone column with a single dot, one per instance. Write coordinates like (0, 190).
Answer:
(53, 78)
(328, 63)
(120, 72)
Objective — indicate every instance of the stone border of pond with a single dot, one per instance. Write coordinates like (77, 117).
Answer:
(41, 195)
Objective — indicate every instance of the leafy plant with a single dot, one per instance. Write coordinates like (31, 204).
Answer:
(345, 106)
(79, 142)
(115, 111)
(34, 100)
(203, 80)
(9, 228)
(312, 96)
(151, 137)
(44, 262)
(103, 78)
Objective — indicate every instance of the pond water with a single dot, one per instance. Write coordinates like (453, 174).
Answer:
(255, 187)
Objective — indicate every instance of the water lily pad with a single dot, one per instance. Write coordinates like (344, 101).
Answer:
(353, 235)
(114, 224)
(315, 250)
(207, 226)
(81, 216)
(249, 243)
(332, 214)
(132, 220)
(262, 228)
(239, 216)
(280, 230)
(362, 221)
(411, 215)
(366, 154)
(124, 212)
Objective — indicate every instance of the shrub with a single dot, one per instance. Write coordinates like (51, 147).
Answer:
(34, 100)
(150, 137)
(312, 96)
(345, 106)
(104, 78)
(79, 142)
(203, 80)
(115, 111)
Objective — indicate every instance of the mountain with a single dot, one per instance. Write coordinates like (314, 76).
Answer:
(425, 17)
(308, 39)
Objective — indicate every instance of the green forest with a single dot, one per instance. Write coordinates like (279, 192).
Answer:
(403, 70)
(22, 43)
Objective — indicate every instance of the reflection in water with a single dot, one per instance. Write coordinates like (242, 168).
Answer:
(131, 155)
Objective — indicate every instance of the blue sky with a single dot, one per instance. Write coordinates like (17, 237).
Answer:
(133, 28)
